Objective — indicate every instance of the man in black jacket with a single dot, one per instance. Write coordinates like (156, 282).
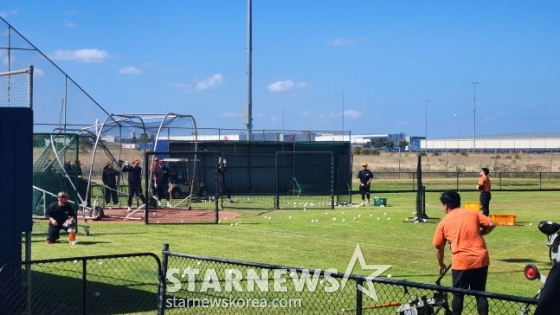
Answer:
(109, 178)
(162, 183)
(134, 182)
(220, 174)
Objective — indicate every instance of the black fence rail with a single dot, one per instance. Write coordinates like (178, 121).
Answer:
(207, 285)
(109, 284)
(438, 181)
(191, 284)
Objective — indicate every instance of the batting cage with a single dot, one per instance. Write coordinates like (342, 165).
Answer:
(305, 179)
(183, 188)
(56, 168)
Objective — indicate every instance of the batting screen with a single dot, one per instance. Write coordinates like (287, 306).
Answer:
(304, 179)
(55, 162)
(181, 187)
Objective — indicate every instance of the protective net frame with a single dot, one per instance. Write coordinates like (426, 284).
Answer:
(304, 179)
(194, 173)
(121, 139)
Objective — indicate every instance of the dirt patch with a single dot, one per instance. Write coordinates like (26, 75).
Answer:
(165, 215)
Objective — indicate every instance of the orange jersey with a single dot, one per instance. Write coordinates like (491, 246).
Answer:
(484, 184)
(461, 228)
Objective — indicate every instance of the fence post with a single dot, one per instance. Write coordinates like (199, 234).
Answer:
(162, 279)
(540, 180)
(359, 283)
(84, 283)
(457, 181)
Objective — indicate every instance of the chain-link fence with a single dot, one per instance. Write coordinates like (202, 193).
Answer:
(206, 285)
(192, 284)
(111, 284)
(439, 181)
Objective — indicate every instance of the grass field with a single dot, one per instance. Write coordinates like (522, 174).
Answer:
(314, 239)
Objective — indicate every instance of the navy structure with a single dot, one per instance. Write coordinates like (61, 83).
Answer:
(16, 180)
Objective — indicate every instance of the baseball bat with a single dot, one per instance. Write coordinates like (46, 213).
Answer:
(390, 304)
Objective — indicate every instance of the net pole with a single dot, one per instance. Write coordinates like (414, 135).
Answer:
(332, 181)
(277, 184)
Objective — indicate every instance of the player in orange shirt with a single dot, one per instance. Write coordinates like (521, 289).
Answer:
(484, 187)
(463, 229)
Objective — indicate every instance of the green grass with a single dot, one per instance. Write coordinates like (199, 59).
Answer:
(290, 238)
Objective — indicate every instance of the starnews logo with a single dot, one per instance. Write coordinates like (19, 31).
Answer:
(250, 280)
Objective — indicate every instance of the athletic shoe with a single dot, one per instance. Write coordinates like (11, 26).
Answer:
(367, 203)
(129, 210)
(159, 203)
(74, 243)
(50, 242)
(230, 201)
(169, 205)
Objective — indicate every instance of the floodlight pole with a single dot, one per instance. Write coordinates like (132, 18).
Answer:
(283, 123)
(426, 101)
(474, 116)
(249, 113)
(342, 115)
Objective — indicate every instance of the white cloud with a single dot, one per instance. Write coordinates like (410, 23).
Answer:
(281, 86)
(5, 14)
(305, 113)
(348, 114)
(210, 82)
(261, 115)
(5, 60)
(130, 70)
(352, 114)
(81, 55)
(70, 24)
(38, 72)
(345, 41)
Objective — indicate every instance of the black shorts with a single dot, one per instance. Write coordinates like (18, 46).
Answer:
(364, 189)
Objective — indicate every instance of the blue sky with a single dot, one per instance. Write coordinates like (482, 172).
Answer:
(379, 60)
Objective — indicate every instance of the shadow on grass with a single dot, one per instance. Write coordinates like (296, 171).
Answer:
(59, 289)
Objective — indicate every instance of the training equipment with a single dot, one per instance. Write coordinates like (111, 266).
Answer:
(421, 215)
(439, 304)
(193, 179)
(552, 231)
(305, 173)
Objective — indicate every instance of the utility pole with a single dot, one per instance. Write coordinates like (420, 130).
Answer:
(474, 117)
(342, 115)
(426, 101)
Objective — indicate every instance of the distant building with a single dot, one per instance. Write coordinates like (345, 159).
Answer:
(535, 142)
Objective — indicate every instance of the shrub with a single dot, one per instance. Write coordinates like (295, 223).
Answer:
(365, 151)
(463, 153)
(375, 152)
